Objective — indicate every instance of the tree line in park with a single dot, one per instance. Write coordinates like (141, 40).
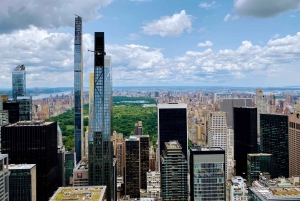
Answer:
(126, 112)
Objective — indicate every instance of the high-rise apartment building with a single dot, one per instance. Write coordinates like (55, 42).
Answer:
(272, 103)
(260, 102)
(153, 184)
(138, 128)
(245, 137)
(274, 133)
(100, 145)
(22, 182)
(294, 148)
(34, 142)
(257, 164)
(4, 177)
(207, 173)
(227, 105)
(173, 175)
(19, 81)
(217, 129)
(172, 125)
(229, 153)
(78, 90)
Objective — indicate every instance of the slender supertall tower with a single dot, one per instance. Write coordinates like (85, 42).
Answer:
(100, 144)
(78, 89)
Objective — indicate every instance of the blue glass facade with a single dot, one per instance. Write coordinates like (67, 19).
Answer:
(78, 89)
(19, 81)
(100, 145)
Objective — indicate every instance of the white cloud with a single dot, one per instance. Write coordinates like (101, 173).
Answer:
(227, 17)
(169, 25)
(207, 5)
(19, 14)
(276, 36)
(264, 8)
(48, 58)
(206, 44)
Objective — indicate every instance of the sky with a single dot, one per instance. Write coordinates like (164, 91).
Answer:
(238, 43)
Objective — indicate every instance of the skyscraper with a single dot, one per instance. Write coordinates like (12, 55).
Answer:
(294, 148)
(173, 173)
(19, 81)
(34, 143)
(245, 137)
(100, 145)
(4, 177)
(138, 128)
(22, 182)
(172, 125)
(257, 164)
(132, 167)
(217, 129)
(25, 104)
(227, 105)
(274, 133)
(260, 101)
(272, 103)
(207, 173)
(78, 90)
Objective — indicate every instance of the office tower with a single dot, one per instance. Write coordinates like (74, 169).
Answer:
(173, 172)
(229, 153)
(272, 103)
(61, 165)
(257, 164)
(132, 167)
(138, 128)
(19, 81)
(153, 184)
(3, 117)
(78, 90)
(227, 105)
(245, 137)
(25, 105)
(120, 158)
(207, 173)
(294, 148)
(22, 182)
(95, 193)
(172, 125)
(260, 101)
(81, 173)
(100, 145)
(217, 129)
(4, 177)
(70, 162)
(34, 143)
(13, 111)
(274, 133)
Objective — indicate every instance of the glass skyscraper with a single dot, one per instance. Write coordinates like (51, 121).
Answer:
(258, 163)
(245, 136)
(78, 89)
(100, 144)
(172, 125)
(19, 81)
(207, 173)
(274, 133)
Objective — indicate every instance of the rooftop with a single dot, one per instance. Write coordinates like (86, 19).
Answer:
(172, 144)
(20, 68)
(20, 166)
(92, 193)
(260, 154)
(83, 164)
(199, 148)
(29, 123)
(279, 193)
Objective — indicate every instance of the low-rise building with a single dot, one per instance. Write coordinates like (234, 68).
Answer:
(92, 193)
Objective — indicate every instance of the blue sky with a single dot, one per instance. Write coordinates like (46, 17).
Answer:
(156, 42)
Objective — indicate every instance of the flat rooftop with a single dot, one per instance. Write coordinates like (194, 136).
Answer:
(206, 149)
(279, 193)
(82, 165)
(92, 193)
(172, 144)
(171, 105)
(29, 123)
(260, 154)
(21, 166)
